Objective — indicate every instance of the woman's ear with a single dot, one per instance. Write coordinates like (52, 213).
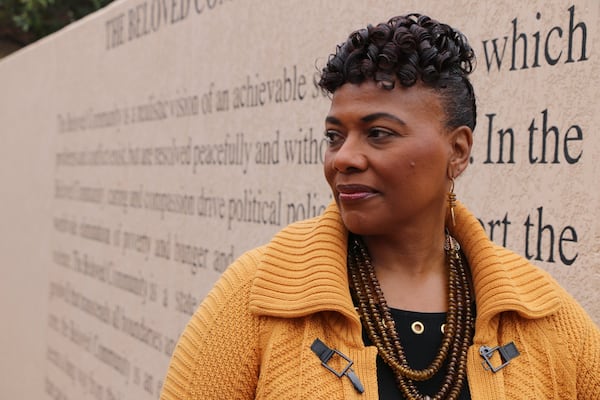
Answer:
(461, 142)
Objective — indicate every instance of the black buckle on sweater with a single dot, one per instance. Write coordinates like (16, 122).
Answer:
(507, 353)
(325, 354)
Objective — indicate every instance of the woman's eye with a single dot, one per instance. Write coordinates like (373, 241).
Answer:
(380, 133)
(332, 137)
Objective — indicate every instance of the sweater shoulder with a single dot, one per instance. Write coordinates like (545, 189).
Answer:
(241, 272)
(228, 298)
(221, 337)
(526, 273)
(516, 263)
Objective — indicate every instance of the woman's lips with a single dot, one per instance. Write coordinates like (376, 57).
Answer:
(354, 192)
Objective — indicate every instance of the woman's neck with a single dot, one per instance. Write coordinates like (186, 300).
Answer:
(411, 269)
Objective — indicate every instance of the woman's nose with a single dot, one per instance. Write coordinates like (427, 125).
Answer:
(350, 156)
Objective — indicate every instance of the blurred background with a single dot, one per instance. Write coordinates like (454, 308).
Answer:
(24, 21)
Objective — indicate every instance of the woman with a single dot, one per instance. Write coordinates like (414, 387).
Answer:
(394, 291)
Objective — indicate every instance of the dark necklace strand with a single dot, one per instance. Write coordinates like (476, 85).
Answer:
(381, 329)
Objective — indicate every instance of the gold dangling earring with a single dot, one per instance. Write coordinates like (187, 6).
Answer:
(452, 201)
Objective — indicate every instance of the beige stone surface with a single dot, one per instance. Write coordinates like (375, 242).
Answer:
(136, 163)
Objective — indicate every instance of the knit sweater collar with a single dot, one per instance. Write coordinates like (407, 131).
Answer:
(303, 271)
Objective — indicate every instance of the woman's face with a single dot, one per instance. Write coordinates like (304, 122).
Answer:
(388, 156)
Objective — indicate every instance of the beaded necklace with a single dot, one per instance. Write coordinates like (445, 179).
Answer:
(381, 328)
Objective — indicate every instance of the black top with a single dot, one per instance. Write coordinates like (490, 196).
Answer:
(420, 350)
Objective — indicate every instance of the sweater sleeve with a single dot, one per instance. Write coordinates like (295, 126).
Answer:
(588, 363)
(217, 354)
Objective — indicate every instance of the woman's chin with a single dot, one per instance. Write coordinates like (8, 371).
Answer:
(358, 222)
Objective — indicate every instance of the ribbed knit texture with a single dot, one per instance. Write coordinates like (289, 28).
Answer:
(251, 336)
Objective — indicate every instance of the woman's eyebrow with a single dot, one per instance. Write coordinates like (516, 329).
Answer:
(380, 115)
(333, 120)
(368, 118)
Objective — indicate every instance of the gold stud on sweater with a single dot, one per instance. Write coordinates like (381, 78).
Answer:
(417, 327)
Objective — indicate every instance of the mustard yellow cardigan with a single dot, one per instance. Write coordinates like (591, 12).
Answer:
(251, 337)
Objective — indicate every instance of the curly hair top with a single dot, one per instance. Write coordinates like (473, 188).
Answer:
(408, 49)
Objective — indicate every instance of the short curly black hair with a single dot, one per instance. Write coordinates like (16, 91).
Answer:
(408, 49)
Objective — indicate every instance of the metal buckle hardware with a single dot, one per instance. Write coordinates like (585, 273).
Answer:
(507, 353)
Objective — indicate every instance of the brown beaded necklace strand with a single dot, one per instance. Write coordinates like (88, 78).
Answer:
(381, 328)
